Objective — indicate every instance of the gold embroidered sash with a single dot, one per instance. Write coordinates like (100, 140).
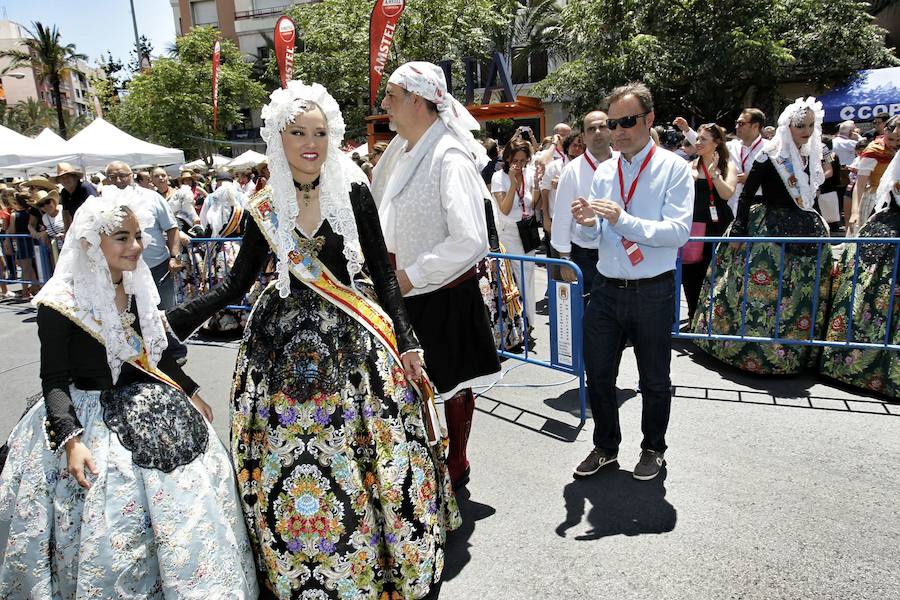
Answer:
(310, 271)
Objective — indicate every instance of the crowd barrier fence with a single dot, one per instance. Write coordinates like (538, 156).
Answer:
(817, 302)
(41, 255)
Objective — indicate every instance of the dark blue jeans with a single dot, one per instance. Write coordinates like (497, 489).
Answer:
(165, 285)
(642, 314)
(586, 259)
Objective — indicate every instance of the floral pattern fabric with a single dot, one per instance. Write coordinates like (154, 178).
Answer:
(135, 534)
(797, 293)
(496, 281)
(867, 308)
(343, 496)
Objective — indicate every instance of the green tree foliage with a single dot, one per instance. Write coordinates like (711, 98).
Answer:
(333, 46)
(106, 87)
(51, 61)
(172, 103)
(710, 58)
(28, 117)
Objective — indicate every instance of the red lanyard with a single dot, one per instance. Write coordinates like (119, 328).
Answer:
(744, 158)
(626, 200)
(712, 199)
(559, 154)
(520, 190)
(590, 163)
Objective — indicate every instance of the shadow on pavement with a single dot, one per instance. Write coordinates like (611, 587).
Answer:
(620, 505)
(808, 401)
(526, 419)
(457, 554)
(568, 401)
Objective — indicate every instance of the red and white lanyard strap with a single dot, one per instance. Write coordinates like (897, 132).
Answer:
(713, 213)
(632, 250)
(558, 154)
(744, 157)
(626, 200)
(590, 163)
(520, 191)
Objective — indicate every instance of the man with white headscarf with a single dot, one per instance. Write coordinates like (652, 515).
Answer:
(431, 205)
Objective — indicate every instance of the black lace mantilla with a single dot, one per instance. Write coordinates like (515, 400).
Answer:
(157, 423)
(884, 224)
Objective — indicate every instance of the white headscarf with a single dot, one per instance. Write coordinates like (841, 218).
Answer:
(782, 145)
(889, 180)
(82, 273)
(338, 173)
(427, 80)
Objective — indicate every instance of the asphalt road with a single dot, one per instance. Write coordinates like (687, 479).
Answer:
(775, 488)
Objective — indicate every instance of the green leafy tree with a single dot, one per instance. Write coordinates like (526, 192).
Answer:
(710, 59)
(172, 103)
(106, 87)
(51, 61)
(333, 47)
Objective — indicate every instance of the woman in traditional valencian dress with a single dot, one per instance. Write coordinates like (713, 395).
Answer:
(115, 485)
(345, 492)
(872, 315)
(789, 171)
(870, 167)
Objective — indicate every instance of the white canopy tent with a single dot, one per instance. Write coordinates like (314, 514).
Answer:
(92, 149)
(15, 147)
(247, 160)
(219, 162)
(362, 150)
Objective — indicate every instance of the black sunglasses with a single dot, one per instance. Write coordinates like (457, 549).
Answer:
(625, 122)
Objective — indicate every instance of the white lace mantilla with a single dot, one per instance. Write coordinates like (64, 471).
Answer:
(338, 173)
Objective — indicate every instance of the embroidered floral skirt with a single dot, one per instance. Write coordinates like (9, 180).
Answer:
(343, 496)
(498, 287)
(874, 370)
(135, 534)
(797, 292)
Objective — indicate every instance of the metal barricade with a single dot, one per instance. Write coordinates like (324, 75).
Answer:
(817, 302)
(566, 315)
(43, 266)
(204, 265)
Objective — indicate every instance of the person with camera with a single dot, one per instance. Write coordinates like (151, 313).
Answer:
(515, 197)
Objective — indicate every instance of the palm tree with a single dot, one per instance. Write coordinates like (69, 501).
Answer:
(50, 60)
(29, 117)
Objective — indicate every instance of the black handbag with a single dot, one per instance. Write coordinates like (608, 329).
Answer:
(528, 232)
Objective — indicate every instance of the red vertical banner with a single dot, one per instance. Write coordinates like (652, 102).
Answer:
(285, 40)
(217, 53)
(381, 34)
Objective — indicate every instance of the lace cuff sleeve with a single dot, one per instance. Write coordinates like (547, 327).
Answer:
(383, 275)
(55, 332)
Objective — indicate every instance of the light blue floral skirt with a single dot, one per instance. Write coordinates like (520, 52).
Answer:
(136, 533)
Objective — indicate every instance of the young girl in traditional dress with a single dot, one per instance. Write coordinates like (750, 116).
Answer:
(115, 485)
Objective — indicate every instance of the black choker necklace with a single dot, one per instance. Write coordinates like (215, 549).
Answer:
(306, 188)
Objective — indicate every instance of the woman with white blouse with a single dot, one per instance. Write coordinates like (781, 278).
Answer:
(515, 195)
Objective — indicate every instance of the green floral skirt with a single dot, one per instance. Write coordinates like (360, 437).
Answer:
(797, 292)
(875, 370)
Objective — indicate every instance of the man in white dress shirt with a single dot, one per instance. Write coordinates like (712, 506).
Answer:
(575, 181)
(844, 143)
(744, 149)
(431, 202)
(640, 211)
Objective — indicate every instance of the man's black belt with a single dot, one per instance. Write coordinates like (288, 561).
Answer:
(636, 283)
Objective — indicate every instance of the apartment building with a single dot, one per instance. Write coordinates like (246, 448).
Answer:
(21, 84)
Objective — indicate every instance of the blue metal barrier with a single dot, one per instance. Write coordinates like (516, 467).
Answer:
(782, 242)
(217, 246)
(573, 325)
(41, 255)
